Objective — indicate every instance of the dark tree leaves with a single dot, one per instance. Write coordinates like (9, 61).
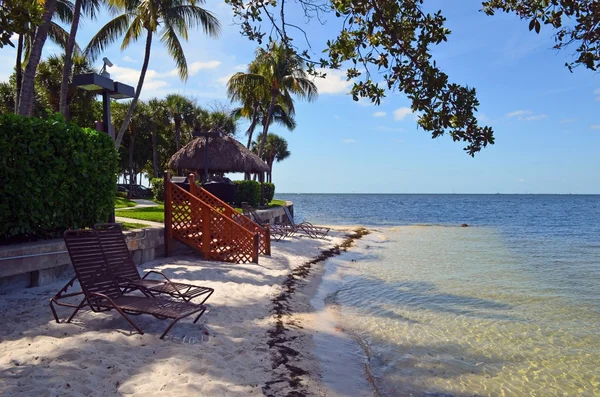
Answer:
(577, 23)
(392, 38)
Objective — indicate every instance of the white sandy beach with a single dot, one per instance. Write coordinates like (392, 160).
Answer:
(225, 354)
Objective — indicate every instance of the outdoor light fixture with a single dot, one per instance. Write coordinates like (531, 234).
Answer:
(103, 85)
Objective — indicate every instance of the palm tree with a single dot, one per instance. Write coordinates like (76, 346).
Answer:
(168, 18)
(89, 7)
(181, 110)
(222, 120)
(29, 49)
(159, 119)
(251, 98)
(48, 84)
(282, 72)
(275, 149)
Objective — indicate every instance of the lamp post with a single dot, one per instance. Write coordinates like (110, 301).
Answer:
(102, 84)
(206, 135)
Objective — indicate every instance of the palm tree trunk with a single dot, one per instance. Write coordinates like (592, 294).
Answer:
(138, 90)
(178, 139)
(27, 87)
(19, 70)
(250, 130)
(177, 133)
(266, 124)
(154, 152)
(66, 74)
(131, 173)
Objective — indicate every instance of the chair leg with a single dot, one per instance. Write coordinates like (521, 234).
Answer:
(54, 311)
(122, 313)
(210, 292)
(82, 304)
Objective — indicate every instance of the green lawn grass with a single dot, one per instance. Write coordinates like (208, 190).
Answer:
(131, 225)
(154, 214)
(121, 202)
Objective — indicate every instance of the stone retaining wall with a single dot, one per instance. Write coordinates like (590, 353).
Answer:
(43, 262)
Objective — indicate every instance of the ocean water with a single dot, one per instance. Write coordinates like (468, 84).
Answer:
(509, 306)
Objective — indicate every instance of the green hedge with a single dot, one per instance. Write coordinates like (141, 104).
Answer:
(158, 189)
(247, 191)
(53, 176)
(269, 191)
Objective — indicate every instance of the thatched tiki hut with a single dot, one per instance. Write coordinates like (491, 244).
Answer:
(215, 153)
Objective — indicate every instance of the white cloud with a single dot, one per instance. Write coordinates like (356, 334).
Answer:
(401, 113)
(334, 83)
(348, 141)
(388, 129)
(526, 115)
(129, 59)
(195, 67)
(597, 92)
(521, 180)
(518, 113)
(595, 126)
(131, 76)
(567, 121)
(225, 79)
(379, 114)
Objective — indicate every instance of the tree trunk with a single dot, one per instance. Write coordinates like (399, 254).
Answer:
(250, 130)
(27, 87)
(19, 70)
(155, 152)
(66, 73)
(266, 123)
(138, 90)
(178, 139)
(131, 174)
(177, 133)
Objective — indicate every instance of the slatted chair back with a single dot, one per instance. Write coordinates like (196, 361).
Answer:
(116, 251)
(289, 216)
(90, 264)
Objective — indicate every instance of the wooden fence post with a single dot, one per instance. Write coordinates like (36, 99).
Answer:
(267, 239)
(206, 230)
(167, 211)
(255, 247)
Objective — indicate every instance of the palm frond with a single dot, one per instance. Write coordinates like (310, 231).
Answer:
(107, 35)
(91, 8)
(59, 35)
(192, 16)
(171, 41)
(133, 33)
(64, 11)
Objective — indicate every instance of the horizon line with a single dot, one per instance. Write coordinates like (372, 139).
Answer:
(473, 194)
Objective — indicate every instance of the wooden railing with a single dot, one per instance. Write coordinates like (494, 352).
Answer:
(195, 223)
(264, 245)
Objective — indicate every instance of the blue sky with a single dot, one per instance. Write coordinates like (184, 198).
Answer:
(545, 118)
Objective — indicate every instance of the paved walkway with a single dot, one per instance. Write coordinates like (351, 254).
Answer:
(140, 203)
(131, 220)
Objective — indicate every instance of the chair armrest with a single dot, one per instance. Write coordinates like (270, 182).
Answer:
(167, 280)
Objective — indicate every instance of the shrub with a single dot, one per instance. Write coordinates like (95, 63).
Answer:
(54, 175)
(158, 189)
(269, 191)
(247, 191)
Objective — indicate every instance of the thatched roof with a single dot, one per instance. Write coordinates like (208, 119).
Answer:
(225, 154)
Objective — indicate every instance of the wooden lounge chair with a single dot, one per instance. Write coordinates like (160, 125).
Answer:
(278, 232)
(126, 273)
(103, 293)
(123, 268)
(307, 228)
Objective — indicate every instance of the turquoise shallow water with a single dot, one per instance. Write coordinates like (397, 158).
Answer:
(507, 307)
